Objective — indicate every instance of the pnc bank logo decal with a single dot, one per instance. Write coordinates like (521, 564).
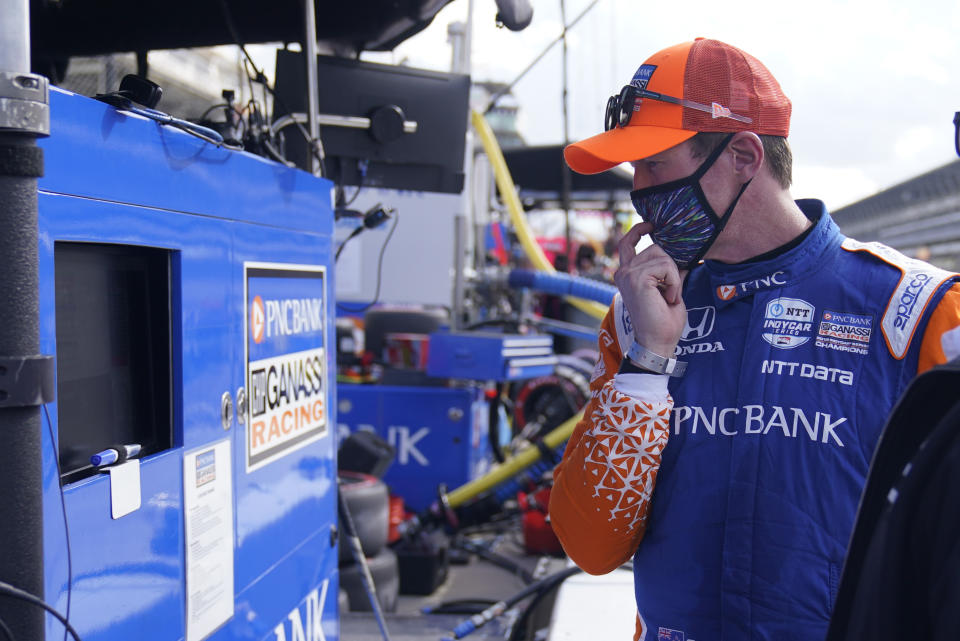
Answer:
(726, 292)
(729, 292)
(257, 320)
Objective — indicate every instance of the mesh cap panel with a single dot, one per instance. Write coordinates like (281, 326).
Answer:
(718, 72)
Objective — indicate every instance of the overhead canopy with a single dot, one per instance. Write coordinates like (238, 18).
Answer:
(66, 28)
(538, 172)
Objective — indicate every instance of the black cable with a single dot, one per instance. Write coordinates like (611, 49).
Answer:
(497, 559)
(312, 143)
(250, 76)
(355, 194)
(516, 631)
(376, 295)
(63, 507)
(505, 90)
(353, 234)
(500, 607)
(519, 626)
(17, 593)
(341, 191)
(460, 606)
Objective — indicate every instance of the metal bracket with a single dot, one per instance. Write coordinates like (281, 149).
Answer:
(24, 103)
(333, 120)
(26, 381)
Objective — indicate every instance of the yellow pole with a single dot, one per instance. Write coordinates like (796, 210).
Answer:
(508, 191)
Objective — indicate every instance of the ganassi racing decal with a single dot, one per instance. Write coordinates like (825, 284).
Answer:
(286, 359)
(845, 332)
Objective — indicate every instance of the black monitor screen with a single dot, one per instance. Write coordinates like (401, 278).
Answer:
(429, 159)
(113, 351)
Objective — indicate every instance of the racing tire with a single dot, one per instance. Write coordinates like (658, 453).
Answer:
(368, 501)
(386, 581)
(380, 322)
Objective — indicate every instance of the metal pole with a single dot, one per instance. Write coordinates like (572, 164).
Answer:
(24, 115)
(313, 100)
(468, 40)
(565, 171)
(459, 287)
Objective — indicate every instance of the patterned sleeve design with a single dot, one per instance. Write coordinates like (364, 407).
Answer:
(622, 455)
(602, 487)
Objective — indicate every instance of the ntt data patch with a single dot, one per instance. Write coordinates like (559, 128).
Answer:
(286, 373)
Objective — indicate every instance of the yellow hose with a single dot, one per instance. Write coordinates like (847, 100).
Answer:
(508, 191)
(522, 460)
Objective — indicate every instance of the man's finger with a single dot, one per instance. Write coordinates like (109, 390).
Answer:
(668, 278)
(628, 244)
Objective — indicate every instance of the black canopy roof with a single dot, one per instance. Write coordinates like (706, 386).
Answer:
(65, 28)
(537, 171)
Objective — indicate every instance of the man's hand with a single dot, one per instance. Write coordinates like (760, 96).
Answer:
(650, 285)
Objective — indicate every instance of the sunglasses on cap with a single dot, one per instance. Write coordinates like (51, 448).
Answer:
(620, 108)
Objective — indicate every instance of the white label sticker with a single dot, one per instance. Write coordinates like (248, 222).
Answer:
(208, 525)
(124, 488)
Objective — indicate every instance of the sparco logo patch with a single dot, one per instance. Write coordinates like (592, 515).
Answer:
(788, 322)
(907, 303)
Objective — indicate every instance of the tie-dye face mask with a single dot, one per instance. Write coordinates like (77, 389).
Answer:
(684, 224)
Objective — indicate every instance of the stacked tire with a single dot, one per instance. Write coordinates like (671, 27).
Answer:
(368, 501)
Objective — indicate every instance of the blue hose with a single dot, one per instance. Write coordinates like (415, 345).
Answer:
(562, 285)
(509, 488)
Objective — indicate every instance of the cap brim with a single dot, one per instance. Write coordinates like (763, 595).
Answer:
(622, 144)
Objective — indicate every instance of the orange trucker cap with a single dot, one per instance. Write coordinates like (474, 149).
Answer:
(704, 85)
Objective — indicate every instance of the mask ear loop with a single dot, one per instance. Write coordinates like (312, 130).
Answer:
(712, 158)
(720, 222)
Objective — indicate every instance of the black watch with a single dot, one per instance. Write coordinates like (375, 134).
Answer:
(629, 367)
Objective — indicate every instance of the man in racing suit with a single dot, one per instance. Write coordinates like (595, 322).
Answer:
(746, 366)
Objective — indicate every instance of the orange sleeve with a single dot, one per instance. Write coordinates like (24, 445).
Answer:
(602, 487)
(944, 318)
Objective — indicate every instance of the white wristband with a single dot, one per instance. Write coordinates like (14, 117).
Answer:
(643, 357)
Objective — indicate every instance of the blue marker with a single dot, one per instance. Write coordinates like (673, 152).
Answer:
(115, 454)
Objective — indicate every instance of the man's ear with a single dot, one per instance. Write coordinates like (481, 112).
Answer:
(747, 150)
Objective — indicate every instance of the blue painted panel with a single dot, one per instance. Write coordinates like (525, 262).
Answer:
(288, 500)
(441, 434)
(96, 151)
(129, 572)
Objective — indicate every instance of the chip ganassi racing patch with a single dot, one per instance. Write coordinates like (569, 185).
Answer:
(845, 332)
